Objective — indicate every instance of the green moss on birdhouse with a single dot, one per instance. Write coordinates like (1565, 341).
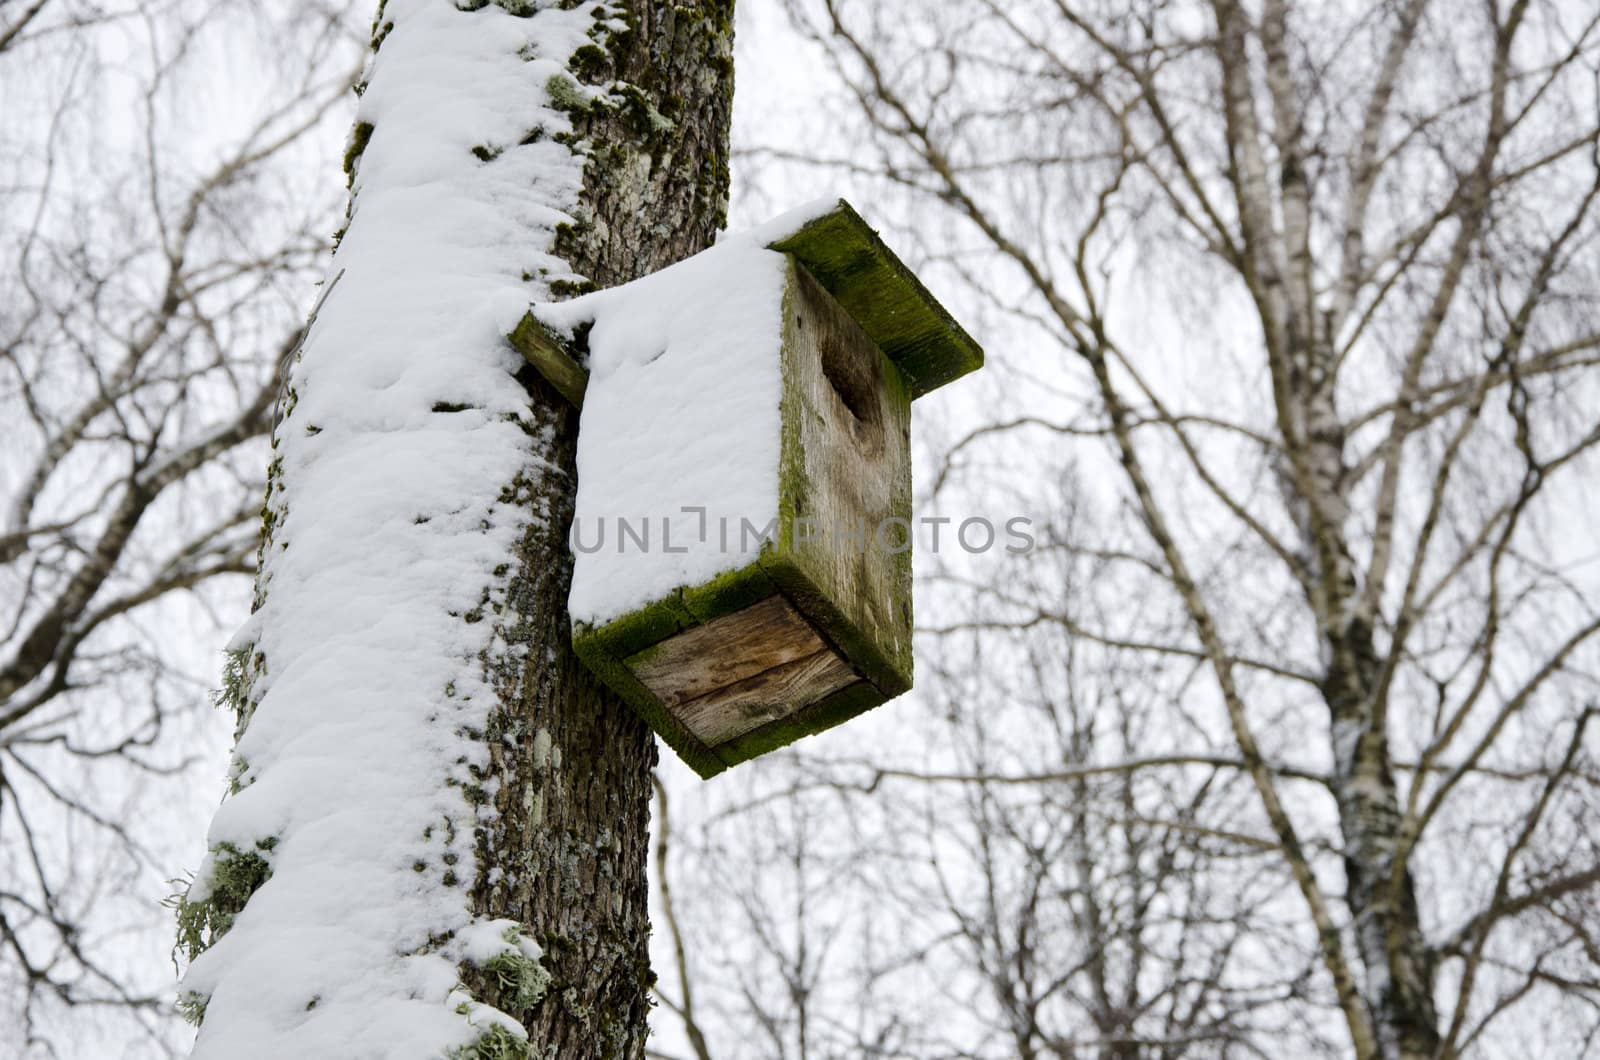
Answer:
(885, 298)
(816, 627)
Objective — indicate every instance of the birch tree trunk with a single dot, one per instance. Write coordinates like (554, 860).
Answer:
(437, 833)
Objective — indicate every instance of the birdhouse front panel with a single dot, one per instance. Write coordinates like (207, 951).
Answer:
(782, 606)
(844, 503)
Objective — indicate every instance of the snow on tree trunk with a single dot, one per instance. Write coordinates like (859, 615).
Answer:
(435, 844)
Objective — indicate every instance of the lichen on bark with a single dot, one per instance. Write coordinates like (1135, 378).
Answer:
(206, 907)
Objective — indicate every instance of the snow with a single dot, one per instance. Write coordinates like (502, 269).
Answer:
(680, 429)
(790, 221)
(389, 530)
(681, 412)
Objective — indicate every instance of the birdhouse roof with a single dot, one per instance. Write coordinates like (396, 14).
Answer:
(680, 380)
(885, 297)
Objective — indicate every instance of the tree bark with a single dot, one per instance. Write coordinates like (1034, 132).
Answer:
(489, 736)
(1400, 966)
(564, 850)
(1380, 892)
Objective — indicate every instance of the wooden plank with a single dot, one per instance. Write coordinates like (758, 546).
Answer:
(725, 651)
(833, 709)
(844, 500)
(859, 270)
(885, 298)
(552, 360)
(768, 696)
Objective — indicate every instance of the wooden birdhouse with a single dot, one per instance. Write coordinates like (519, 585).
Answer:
(743, 531)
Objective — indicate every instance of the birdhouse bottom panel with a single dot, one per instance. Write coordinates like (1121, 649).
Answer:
(742, 671)
(741, 666)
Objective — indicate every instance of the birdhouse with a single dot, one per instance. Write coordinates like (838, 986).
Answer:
(743, 532)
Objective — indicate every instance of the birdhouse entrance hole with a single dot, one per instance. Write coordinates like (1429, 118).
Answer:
(849, 372)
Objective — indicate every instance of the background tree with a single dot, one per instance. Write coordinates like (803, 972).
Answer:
(1038, 862)
(156, 262)
(1307, 295)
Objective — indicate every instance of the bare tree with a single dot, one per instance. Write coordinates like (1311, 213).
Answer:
(156, 273)
(1317, 289)
(1037, 864)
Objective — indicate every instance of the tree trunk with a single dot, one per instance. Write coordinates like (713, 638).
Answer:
(439, 819)
(566, 848)
(1398, 962)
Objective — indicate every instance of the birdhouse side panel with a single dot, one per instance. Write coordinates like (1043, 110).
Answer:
(844, 543)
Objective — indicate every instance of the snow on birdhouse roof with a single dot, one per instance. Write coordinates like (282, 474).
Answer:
(681, 412)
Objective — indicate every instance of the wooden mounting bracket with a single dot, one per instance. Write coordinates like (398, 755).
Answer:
(551, 357)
